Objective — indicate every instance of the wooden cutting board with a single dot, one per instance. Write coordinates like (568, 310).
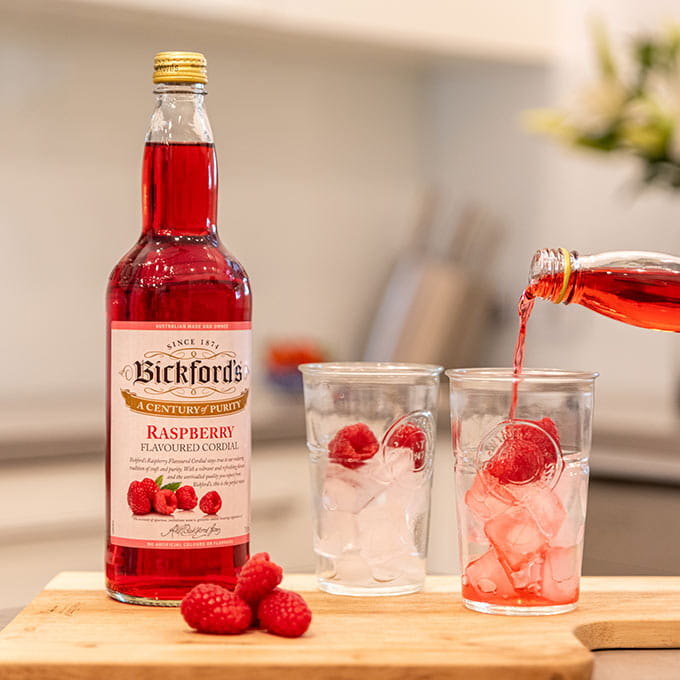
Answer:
(73, 631)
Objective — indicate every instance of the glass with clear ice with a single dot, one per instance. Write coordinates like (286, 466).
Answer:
(370, 432)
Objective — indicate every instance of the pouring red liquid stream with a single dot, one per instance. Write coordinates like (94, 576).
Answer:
(526, 304)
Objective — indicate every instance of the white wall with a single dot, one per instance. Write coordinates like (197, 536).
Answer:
(478, 153)
(320, 169)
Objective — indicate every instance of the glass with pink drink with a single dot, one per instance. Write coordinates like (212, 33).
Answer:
(521, 486)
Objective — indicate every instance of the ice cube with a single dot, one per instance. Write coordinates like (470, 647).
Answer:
(474, 529)
(337, 533)
(488, 578)
(385, 573)
(419, 524)
(383, 529)
(543, 504)
(516, 537)
(352, 569)
(403, 466)
(349, 490)
(561, 575)
(529, 576)
(571, 533)
(486, 498)
(407, 489)
(571, 489)
(406, 569)
(399, 466)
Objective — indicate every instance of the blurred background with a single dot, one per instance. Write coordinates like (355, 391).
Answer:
(374, 170)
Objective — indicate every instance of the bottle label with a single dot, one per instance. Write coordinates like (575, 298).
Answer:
(180, 416)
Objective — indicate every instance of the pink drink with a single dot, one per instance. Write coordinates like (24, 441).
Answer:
(521, 487)
(524, 541)
(525, 511)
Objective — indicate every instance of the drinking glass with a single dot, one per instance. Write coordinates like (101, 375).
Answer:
(521, 486)
(370, 433)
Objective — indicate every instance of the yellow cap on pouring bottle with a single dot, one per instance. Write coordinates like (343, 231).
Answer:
(180, 67)
(566, 275)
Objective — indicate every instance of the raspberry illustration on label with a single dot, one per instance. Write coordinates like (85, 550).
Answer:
(150, 487)
(186, 498)
(149, 496)
(165, 502)
(138, 499)
(211, 503)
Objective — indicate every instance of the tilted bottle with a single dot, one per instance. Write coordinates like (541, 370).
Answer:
(179, 357)
(638, 288)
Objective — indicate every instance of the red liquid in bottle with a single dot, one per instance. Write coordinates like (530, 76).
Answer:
(645, 298)
(177, 271)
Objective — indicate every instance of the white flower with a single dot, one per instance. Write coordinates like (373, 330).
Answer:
(599, 106)
(664, 90)
(645, 128)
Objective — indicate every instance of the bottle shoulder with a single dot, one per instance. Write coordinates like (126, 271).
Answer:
(179, 279)
(164, 259)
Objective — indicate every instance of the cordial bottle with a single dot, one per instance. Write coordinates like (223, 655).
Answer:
(179, 356)
(638, 288)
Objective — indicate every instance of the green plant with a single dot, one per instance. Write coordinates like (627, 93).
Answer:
(633, 106)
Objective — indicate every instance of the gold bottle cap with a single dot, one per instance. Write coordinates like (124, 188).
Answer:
(180, 67)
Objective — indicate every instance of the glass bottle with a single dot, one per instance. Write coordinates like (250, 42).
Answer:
(179, 348)
(638, 288)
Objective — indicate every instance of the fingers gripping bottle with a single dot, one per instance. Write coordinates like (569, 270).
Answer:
(179, 358)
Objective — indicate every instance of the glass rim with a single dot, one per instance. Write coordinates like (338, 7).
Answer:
(529, 375)
(370, 369)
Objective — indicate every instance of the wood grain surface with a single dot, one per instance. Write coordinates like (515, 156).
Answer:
(73, 631)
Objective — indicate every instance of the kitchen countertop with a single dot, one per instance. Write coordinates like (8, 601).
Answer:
(617, 664)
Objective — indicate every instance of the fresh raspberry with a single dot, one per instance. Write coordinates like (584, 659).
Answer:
(210, 608)
(285, 613)
(137, 499)
(258, 577)
(353, 445)
(186, 498)
(410, 436)
(515, 462)
(165, 502)
(526, 452)
(210, 503)
(150, 487)
(546, 424)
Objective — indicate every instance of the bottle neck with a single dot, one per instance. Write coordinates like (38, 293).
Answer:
(179, 176)
(553, 274)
